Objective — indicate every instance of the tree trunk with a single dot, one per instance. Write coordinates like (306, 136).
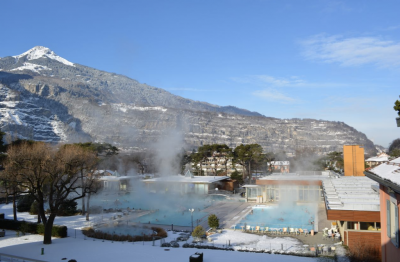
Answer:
(83, 198)
(14, 208)
(39, 219)
(42, 213)
(87, 212)
(250, 170)
(48, 227)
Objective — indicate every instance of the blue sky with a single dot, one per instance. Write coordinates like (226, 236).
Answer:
(331, 60)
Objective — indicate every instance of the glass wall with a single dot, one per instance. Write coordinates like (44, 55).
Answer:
(308, 193)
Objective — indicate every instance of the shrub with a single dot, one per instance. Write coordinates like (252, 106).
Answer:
(57, 231)
(90, 232)
(198, 232)
(34, 208)
(68, 208)
(213, 221)
(24, 203)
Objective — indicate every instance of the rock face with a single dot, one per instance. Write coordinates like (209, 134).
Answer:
(45, 97)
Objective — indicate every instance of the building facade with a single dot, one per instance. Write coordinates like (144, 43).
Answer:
(279, 166)
(353, 158)
(388, 177)
(219, 164)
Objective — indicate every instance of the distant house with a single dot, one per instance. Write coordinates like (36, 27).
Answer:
(217, 163)
(377, 160)
(388, 177)
(112, 180)
(279, 166)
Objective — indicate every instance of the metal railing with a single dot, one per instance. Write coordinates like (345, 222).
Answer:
(12, 258)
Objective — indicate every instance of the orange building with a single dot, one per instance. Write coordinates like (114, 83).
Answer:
(353, 157)
(388, 177)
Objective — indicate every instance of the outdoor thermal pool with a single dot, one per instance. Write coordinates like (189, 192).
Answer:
(165, 209)
(281, 216)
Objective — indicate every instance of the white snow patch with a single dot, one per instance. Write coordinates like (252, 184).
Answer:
(58, 129)
(33, 67)
(124, 107)
(41, 51)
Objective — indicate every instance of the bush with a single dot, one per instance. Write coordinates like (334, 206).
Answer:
(68, 208)
(158, 232)
(213, 221)
(198, 232)
(33, 228)
(57, 231)
(34, 208)
(24, 203)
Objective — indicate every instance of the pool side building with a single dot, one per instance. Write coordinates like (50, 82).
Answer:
(353, 202)
(388, 177)
(190, 184)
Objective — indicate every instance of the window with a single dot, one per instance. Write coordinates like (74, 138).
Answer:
(352, 225)
(392, 221)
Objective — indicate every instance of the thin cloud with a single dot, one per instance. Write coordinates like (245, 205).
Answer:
(354, 51)
(188, 89)
(273, 95)
(292, 81)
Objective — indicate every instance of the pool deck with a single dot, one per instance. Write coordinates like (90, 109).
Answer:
(230, 213)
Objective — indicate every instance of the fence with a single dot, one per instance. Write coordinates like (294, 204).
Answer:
(11, 258)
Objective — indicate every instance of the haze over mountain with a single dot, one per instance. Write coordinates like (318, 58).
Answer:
(46, 97)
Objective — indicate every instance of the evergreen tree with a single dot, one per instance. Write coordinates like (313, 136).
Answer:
(198, 232)
(213, 221)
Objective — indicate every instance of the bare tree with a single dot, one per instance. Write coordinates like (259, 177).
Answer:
(51, 174)
(10, 187)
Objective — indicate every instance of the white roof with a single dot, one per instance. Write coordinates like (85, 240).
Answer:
(116, 178)
(280, 163)
(378, 159)
(388, 171)
(183, 179)
(293, 176)
(351, 193)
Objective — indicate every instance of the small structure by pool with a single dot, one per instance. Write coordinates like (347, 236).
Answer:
(190, 184)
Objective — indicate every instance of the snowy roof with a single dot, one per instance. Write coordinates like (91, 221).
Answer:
(293, 176)
(280, 163)
(351, 193)
(378, 159)
(183, 179)
(389, 172)
(117, 178)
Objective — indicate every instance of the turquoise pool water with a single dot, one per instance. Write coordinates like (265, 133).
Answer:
(169, 208)
(289, 216)
(168, 217)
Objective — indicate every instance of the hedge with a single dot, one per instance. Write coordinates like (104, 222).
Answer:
(90, 232)
(33, 228)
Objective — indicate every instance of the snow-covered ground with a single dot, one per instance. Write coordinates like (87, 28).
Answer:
(76, 246)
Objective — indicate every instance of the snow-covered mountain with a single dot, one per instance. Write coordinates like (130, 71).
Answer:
(46, 97)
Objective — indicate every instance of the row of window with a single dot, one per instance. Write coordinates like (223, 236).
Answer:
(294, 193)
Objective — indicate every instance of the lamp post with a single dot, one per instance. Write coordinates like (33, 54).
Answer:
(191, 212)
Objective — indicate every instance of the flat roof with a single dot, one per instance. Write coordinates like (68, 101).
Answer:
(293, 176)
(351, 193)
(183, 179)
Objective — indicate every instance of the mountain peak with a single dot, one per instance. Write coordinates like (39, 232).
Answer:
(41, 51)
